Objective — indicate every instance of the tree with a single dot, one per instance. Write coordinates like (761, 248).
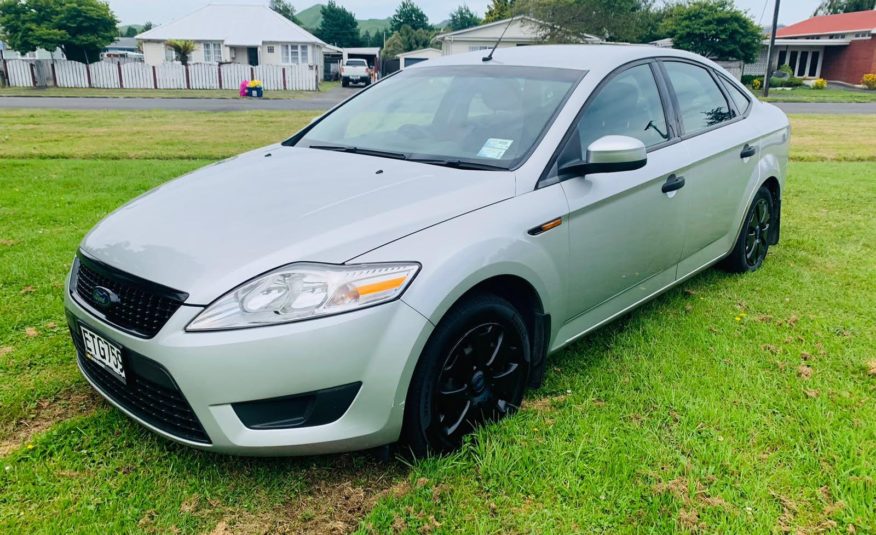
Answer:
(407, 39)
(131, 31)
(80, 28)
(409, 14)
(713, 28)
(613, 20)
(833, 7)
(463, 17)
(148, 26)
(339, 26)
(499, 10)
(182, 48)
(285, 8)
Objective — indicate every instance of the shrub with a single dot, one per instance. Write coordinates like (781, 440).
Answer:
(787, 70)
(785, 82)
(757, 83)
(819, 83)
(748, 79)
(869, 81)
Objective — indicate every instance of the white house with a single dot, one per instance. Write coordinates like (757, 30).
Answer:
(521, 31)
(39, 53)
(406, 59)
(245, 34)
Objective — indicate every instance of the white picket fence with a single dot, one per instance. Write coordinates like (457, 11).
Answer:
(111, 75)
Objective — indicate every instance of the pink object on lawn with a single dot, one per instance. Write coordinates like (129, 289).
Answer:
(243, 85)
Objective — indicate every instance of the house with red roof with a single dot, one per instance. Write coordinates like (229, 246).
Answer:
(835, 47)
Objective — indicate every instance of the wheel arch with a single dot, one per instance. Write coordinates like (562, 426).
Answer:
(775, 189)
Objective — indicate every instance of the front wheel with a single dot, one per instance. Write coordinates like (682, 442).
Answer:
(752, 245)
(474, 369)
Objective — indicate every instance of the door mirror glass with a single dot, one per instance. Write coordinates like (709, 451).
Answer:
(609, 154)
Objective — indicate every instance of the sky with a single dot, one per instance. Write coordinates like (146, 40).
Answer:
(161, 11)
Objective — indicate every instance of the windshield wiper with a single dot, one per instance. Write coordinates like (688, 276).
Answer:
(459, 164)
(358, 150)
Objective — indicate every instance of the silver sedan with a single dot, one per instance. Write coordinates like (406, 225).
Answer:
(402, 268)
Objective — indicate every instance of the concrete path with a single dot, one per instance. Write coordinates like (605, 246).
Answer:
(820, 107)
(319, 101)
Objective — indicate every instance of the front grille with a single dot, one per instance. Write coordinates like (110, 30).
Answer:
(160, 405)
(142, 308)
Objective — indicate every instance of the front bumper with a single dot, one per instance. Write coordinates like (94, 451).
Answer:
(377, 347)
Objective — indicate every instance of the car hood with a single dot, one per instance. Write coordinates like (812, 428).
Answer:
(209, 231)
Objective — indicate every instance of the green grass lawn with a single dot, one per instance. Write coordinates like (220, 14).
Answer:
(152, 93)
(806, 94)
(740, 404)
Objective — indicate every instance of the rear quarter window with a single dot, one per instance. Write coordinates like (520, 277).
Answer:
(739, 97)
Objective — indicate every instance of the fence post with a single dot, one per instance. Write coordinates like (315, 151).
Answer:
(219, 70)
(188, 80)
(251, 72)
(33, 74)
(154, 78)
(121, 81)
(284, 78)
(88, 74)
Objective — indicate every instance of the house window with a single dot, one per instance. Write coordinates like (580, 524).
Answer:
(270, 50)
(212, 52)
(169, 55)
(294, 54)
(477, 48)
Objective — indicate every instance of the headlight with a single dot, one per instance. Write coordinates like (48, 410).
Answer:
(304, 291)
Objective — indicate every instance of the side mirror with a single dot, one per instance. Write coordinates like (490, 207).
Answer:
(609, 154)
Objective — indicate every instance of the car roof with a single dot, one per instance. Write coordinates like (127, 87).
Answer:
(599, 59)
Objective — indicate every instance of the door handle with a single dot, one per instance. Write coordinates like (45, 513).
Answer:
(673, 183)
(748, 151)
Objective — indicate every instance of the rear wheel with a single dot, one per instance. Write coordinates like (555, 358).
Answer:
(753, 242)
(345, 82)
(474, 369)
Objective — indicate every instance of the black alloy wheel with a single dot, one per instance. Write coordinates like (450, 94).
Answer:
(754, 238)
(473, 370)
(757, 233)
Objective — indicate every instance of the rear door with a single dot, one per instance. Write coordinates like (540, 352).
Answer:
(722, 149)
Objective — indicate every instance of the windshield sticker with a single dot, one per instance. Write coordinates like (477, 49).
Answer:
(495, 148)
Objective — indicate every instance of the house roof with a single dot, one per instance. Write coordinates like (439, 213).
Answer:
(825, 24)
(527, 21)
(123, 43)
(236, 25)
(420, 52)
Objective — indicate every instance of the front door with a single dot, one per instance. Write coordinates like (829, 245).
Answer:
(723, 151)
(626, 233)
(252, 56)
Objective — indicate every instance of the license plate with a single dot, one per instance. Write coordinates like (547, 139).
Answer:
(103, 352)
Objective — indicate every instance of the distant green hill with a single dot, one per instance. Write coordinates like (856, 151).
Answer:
(312, 17)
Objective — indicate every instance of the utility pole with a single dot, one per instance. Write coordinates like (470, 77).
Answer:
(769, 65)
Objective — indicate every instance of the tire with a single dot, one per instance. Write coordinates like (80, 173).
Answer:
(473, 369)
(345, 83)
(751, 246)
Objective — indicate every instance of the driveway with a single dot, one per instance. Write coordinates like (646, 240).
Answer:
(823, 107)
(318, 101)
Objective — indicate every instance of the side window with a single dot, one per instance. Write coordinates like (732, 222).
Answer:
(628, 105)
(700, 101)
(739, 98)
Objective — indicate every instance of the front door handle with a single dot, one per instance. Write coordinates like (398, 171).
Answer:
(748, 151)
(673, 183)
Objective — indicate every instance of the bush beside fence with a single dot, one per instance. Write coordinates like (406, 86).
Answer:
(112, 75)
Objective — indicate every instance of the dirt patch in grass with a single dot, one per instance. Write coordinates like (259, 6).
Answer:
(340, 496)
(47, 413)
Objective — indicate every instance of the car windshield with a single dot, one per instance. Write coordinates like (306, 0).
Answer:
(484, 117)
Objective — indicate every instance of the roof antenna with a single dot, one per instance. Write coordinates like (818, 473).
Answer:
(489, 57)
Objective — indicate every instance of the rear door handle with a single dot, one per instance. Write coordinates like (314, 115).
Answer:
(748, 151)
(673, 183)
